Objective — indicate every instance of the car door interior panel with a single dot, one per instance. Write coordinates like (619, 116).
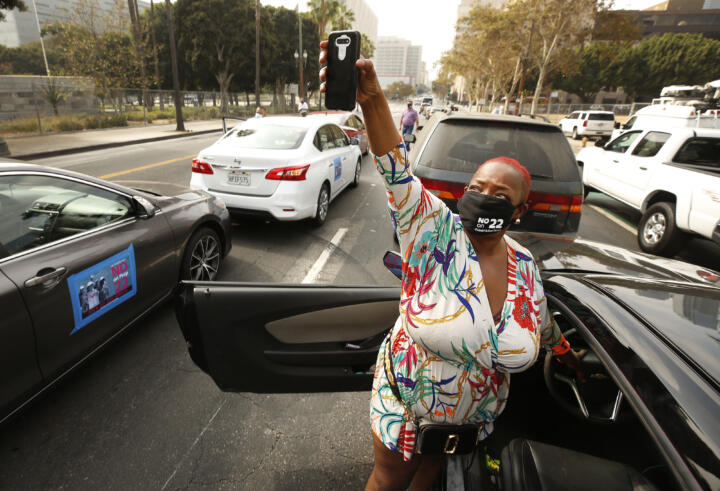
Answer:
(266, 338)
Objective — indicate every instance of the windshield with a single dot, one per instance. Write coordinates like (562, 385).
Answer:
(463, 144)
(266, 136)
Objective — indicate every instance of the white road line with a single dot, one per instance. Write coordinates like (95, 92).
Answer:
(312, 275)
(193, 444)
(613, 218)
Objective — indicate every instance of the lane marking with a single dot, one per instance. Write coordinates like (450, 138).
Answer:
(312, 275)
(145, 167)
(193, 444)
(615, 219)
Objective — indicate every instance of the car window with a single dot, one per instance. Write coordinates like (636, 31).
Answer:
(582, 115)
(358, 123)
(622, 142)
(630, 122)
(651, 144)
(326, 137)
(38, 210)
(704, 152)
(573, 116)
(461, 145)
(340, 137)
(266, 136)
(601, 117)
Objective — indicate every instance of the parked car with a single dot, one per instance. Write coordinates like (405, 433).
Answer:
(671, 175)
(82, 259)
(588, 123)
(450, 147)
(351, 123)
(646, 418)
(281, 168)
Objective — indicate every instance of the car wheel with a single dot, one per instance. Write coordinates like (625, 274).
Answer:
(203, 256)
(658, 233)
(356, 179)
(574, 134)
(323, 204)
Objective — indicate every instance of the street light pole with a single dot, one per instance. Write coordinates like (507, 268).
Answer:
(300, 53)
(42, 43)
(257, 53)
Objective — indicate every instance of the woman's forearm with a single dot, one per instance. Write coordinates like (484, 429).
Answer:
(381, 131)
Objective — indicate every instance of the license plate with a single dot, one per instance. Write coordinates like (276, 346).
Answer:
(239, 178)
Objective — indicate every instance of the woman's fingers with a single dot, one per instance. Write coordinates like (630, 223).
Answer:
(323, 73)
(323, 51)
(324, 44)
(322, 87)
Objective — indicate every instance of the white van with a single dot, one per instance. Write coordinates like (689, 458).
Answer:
(670, 116)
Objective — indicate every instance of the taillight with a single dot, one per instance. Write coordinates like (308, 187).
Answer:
(444, 189)
(556, 202)
(293, 173)
(200, 167)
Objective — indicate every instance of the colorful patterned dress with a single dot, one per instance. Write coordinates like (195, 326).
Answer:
(451, 361)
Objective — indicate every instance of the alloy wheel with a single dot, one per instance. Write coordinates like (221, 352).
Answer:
(205, 259)
(323, 204)
(654, 228)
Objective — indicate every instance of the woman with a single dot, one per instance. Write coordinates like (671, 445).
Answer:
(472, 307)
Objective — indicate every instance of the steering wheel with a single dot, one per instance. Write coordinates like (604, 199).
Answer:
(597, 400)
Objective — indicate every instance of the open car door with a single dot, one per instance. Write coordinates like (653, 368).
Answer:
(286, 338)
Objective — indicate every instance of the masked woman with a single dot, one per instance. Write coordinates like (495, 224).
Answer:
(472, 306)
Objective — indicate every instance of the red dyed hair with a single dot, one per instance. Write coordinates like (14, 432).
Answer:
(518, 167)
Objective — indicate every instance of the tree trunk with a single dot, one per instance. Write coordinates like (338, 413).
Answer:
(224, 78)
(538, 88)
(155, 52)
(257, 53)
(512, 86)
(179, 123)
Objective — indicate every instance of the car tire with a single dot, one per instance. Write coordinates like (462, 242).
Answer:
(575, 134)
(203, 256)
(356, 178)
(323, 205)
(658, 232)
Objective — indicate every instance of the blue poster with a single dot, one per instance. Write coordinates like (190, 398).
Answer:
(102, 287)
(338, 168)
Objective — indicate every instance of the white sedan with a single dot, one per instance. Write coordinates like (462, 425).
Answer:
(285, 168)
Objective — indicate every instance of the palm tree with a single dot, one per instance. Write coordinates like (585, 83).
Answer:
(343, 18)
(323, 12)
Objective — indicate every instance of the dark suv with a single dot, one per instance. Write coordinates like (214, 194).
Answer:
(450, 147)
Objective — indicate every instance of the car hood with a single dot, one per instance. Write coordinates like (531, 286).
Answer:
(164, 189)
(562, 253)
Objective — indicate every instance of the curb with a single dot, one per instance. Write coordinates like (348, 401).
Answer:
(102, 146)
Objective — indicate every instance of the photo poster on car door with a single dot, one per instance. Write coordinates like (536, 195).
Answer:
(338, 168)
(102, 287)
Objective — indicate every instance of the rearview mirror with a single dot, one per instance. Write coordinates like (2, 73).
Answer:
(409, 138)
(393, 262)
(145, 208)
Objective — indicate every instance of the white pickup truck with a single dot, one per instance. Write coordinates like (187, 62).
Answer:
(672, 175)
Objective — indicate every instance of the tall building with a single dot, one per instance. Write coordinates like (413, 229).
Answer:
(398, 60)
(365, 19)
(679, 16)
(20, 28)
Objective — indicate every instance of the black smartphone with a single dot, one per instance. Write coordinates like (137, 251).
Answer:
(341, 76)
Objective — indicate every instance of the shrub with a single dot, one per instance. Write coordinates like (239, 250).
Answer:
(67, 123)
(20, 125)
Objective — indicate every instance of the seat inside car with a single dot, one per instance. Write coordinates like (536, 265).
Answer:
(527, 465)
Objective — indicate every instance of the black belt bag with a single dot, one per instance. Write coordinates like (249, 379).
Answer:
(433, 439)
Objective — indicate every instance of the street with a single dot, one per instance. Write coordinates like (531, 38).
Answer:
(142, 416)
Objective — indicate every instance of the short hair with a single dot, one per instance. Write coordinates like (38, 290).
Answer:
(527, 180)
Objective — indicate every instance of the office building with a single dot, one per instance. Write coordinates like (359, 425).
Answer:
(20, 28)
(679, 16)
(398, 60)
(365, 19)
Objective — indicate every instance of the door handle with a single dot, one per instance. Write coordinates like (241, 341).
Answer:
(643, 168)
(616, 161)
(45, 275)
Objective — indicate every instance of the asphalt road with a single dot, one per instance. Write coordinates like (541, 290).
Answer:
(142, 416)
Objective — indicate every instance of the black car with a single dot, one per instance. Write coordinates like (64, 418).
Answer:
(450, 147)
(82, 259)
(647, 417)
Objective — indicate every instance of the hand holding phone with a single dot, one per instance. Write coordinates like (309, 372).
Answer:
(343, 51)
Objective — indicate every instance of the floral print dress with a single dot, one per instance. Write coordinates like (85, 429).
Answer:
(451, 360)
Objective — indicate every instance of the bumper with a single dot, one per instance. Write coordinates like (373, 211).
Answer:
(585, 132)
(291, 201)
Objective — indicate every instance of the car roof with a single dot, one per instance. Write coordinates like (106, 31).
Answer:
(497, 117)
(296, 121)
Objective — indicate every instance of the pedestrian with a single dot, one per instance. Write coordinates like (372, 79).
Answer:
(303, 107)
(408, 120)
(472, 306)
(260, 112)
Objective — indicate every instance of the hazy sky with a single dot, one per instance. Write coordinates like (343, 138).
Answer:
(429, 23)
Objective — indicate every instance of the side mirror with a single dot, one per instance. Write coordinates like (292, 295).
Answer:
(617, 125)
(145, 208)
(409, 138)
(393, 262)
(354, 141)
(600, 143)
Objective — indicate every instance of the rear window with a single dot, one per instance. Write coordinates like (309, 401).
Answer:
(266, 136)
(462, 145)
(601, 117)
(701, 152)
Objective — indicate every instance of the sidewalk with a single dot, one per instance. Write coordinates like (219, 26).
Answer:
(53, 144)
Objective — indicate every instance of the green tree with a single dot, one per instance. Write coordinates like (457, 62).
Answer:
(399, 90)
(323, 12)
(343, 18)
(367, 47)
(53, 94)
(592, 71)
(10, 5)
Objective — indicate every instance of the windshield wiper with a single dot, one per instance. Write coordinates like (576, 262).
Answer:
(541, 176)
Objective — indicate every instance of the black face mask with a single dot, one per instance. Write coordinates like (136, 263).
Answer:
(484, 214)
